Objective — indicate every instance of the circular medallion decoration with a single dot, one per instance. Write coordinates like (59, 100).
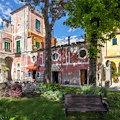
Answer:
(82, 53)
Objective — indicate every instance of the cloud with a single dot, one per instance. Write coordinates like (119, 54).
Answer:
(1, 21)
(8, 3)
(5, 13)
(3, 0)
(73, 39)
(71, 30)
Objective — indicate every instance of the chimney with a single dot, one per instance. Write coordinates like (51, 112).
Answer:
(54, 42)
(68, 40)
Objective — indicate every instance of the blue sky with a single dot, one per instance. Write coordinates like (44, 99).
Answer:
(60, 31)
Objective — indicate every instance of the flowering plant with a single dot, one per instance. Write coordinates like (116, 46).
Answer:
(107, 81)
(15, 91)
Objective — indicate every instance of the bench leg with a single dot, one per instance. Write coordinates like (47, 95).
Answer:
(65, 113)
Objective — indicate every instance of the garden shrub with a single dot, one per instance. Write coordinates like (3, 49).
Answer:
(4, 93)
(104, 91)
(43, 86)
(15, 91)
(49, 87)
(53, 95)
(53, 86)
(92, 90)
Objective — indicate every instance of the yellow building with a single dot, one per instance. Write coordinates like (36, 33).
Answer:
(111, 52)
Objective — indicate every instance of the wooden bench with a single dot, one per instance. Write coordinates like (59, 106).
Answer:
(83, 103)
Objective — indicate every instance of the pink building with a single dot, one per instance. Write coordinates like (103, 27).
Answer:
(69, 64)
(19, 38)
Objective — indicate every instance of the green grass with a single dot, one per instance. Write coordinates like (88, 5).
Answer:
(31, 109)
(38, 108)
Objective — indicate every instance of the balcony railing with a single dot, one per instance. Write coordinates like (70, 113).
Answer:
(7, 50)
(17, 50)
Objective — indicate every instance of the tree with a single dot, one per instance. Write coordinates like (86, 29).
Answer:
(52, 10)
(98, 18)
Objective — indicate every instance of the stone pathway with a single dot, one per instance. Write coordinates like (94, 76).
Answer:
(115, 87)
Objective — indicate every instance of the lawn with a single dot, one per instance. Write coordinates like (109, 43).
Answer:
(38, 108)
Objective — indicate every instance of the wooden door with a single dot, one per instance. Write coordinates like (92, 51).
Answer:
(82, 77)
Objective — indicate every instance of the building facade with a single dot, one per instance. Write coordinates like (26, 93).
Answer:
(19, 38)
(110, 53)
(70, 64)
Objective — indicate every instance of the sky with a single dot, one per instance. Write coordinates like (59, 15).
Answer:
(61, 32)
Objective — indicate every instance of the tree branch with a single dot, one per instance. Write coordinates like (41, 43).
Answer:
(57, 13)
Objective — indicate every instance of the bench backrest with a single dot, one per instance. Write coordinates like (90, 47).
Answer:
(83, 100)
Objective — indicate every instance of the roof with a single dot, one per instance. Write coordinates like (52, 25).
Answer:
(31, 7)
(6, 20)
(19, 8)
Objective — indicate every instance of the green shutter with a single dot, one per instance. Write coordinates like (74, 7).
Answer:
(114, 41)
(18, 46)
(37, 44)
(6, 45)
(37, 24)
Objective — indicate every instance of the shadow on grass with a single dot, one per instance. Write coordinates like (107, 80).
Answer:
(31, 109)
(30, 94)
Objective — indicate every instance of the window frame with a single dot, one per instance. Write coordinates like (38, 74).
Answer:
(18, 50)
(37, 22)
(56, 58)
(18, 64)
(7, 47)
(79, 53)
(39, 74)
(113, 39)
(32, 58)
(36, 42)
(29, 74)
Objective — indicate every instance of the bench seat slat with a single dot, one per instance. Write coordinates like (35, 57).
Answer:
(83, 103)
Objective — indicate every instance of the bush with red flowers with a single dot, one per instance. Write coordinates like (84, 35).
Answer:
(15, 91)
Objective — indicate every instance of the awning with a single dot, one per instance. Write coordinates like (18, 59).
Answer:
(33, 67)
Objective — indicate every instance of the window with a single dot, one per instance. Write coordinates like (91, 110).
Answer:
(7, 45)
(18, 64)
(29, 74)
(18, 46)
(55, 56)
(37, 24)
(37, 44)
(114, 41)
(82, 53)
(33, 59)
(38, 74)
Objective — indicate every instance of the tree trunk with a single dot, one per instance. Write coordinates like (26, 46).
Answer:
(48, 29)
(47, 67)
(92, 62)
(92, 71)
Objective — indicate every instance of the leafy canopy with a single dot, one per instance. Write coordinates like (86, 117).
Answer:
(96, 17)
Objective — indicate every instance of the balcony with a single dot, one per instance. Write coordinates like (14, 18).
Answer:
(17, 52)
(6, 50)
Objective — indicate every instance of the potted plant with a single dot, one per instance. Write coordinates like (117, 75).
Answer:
(116, 80)
(107, 83)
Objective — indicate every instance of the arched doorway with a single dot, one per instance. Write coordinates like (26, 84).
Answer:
(8, 62)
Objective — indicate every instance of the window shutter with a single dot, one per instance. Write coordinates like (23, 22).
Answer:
(114, 41)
